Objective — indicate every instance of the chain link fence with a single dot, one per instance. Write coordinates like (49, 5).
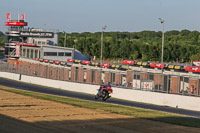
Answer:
(130, 79)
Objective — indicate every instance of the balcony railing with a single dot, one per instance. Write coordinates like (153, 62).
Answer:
(30, 29)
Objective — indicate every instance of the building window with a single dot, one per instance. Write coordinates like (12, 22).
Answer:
(112, 77)
(27, 53)
(36, 53)
(136, 75)
(68, 54)
(8, 50)
(24, 52)
(12, 39)
(151, 76)
(31, 53)
(61, 54)
(50, 53)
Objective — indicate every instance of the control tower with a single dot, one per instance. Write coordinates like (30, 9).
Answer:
(31, 43)
(13, 34)
(18, 37)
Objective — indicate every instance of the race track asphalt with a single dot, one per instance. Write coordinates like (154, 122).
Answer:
(59, 92)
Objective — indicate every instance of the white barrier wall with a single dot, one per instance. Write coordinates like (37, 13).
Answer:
(163, 99)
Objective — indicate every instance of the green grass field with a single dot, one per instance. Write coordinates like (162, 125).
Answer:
(118, 109)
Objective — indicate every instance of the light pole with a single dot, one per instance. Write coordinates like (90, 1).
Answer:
(74, 46)
(162, 22)
(46, 28)
(65, 38)
(104, 28)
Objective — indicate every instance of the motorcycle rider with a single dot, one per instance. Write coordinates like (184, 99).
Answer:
(102, 88)
(104, 91)
(108, 86)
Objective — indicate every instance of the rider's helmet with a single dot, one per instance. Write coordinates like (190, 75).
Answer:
(108, 85)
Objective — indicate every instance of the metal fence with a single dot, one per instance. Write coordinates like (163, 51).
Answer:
(146, 81)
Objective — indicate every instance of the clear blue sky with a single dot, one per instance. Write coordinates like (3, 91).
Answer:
(92, 15)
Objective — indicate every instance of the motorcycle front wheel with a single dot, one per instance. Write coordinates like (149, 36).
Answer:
(105, 98)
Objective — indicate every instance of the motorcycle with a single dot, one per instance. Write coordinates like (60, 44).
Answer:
(104, 95)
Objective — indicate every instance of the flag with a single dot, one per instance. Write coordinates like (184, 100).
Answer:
(8, 15)
(23, 16)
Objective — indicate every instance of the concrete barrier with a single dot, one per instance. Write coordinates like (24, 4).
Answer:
(163, 99)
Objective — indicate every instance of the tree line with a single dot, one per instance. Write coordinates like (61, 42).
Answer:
(2, 39)
(182, 46)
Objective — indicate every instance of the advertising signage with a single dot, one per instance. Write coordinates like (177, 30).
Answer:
(36, 34)
(16, 23)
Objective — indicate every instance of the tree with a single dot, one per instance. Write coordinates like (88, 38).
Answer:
(144, 45)
(1, 34)
(2, 41)
(195, 57)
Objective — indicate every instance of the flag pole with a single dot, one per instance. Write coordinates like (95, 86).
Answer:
(18, 17)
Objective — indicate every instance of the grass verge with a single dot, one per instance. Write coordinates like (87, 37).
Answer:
(118, 109)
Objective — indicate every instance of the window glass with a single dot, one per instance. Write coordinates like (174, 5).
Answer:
(50, 53)
(68, 54)
(36, 53)
(10, 39)
(61, 54)
(24, 51)
(31, 53)
(27, 53)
